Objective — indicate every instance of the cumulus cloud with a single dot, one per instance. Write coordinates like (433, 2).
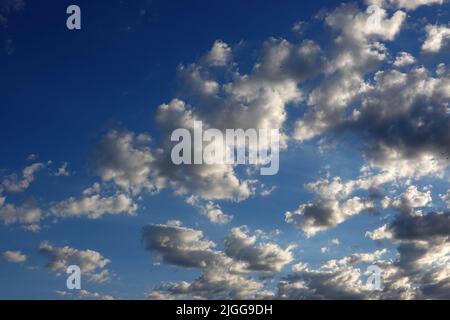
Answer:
(14, 256)
(257, 100)
(125, 158)
(437, 38)
(332, 205)
(210, 210)
(27, 214)
(213, 284)
(14, 183)
(219, 55)
(424, 253)
(335, 279)
(225, 274)
(180, 246)
(446, 198)
(94, 206)
(356, 51)
(404, 59)
(268, 257)
(409, 200)
(405, 4)
(92, 264)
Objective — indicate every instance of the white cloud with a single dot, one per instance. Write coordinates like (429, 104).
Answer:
(126, 159)
(91, 263)
(335, 279)
(14, 256)
(14, 183)
(405, 4)
(437, 38)
(219, 55)
(62, 170)
(180, 246)
(210, 210)
(27, 214)
(257, 256)
(94, 206)
(404, 59)
(412, 198)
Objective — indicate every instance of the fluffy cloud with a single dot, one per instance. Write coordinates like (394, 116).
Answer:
(335, 279)
(424, 253)
(437, 38)
(94, 206)
(356, 51)
(408, 201)
(219, 55)
(14, 183)
(92, 264)
(224, 274)
(446, 198)
(404, 59)
(210, 210)
(405, 4)
(213, 284)
(14, 256)
(257, 100)
(126, 159)
(267, 257)
(180, 246)
(27, 214)
(332, 205)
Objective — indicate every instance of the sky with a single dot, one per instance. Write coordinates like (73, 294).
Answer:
(359, 91)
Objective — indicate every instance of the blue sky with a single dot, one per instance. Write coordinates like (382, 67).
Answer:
(357, 105)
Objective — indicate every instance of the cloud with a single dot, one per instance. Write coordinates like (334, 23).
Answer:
(14, 256)
(85, 295)
(335, 279)
(257, 100)
(437, 38)
(7, 7)
(92, 264)
(424, 253)
(94, 206)
(405, 4)
(13, 183)
(126, 159)
(404, 59)
(213, 284)
(219, 55)
(257, 256)
(408, 201)
(446, 198)
(180, 246)
(210, 210)
(224, 275)
(332, 205)
(27, 214)
(355, 52)
(11, 5)
(62, 170)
